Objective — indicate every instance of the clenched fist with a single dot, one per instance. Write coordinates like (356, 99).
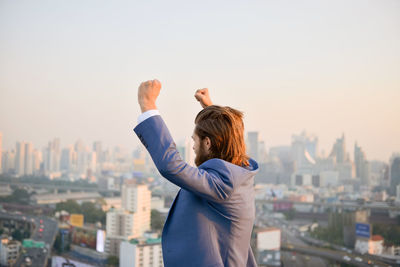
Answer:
(203, 97)
(148, 93)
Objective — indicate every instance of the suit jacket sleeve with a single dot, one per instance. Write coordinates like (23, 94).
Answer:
(205, 182)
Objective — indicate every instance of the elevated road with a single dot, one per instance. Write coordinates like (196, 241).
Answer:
(37, 256)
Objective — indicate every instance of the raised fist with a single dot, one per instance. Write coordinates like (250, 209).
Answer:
(147, 94)
(203, 97)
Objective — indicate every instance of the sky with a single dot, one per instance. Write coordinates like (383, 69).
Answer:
(71, 69)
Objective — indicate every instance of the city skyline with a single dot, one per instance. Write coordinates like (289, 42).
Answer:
(253, 142)
(331, 71)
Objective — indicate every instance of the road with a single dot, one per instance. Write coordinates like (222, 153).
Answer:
(38, 256)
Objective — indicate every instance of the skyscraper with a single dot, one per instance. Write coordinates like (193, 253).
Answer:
(52, 156)
(362, 165)
(189, 153)
(28, 164)
(9, 162)
(252, 138)
(97, 148)
(20, 159)
(394, 173)
(339, 150)
(1, 152)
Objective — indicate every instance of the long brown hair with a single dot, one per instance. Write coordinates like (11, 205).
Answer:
(224, 126)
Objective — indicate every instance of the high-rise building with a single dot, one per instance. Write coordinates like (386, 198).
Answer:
(67, 158)
(1, 152)
(97, 148)
(9, 162)
(362, 165)
(37, 159)
(394, 173)
(252, 138)
(28, 163)
(136, 198)
(189, 152)
(133, 220)
(52, 156)
(20, 159)
(339, 150)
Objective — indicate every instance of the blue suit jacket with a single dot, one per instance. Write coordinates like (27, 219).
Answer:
(211, 218)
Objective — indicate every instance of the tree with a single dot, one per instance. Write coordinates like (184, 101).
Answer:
(157, 220)
(113, 261)
(17, 235)
(70, 206)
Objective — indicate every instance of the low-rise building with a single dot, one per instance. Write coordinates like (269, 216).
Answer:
(57, 198)
(9, 251)
(141, 252)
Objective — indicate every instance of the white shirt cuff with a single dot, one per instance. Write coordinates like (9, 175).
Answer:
(147, 114)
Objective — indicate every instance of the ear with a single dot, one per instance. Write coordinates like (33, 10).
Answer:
(207, 143)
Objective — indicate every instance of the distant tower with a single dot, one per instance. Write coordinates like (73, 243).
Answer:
(362, 165)
(28, 164)
(97, 148)
(252, 138)
(189, 153)
(36, 161)
(394, 172)
(1, 152)
(20, 159)
(339, 150)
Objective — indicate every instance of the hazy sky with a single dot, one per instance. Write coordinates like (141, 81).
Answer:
(71, 69)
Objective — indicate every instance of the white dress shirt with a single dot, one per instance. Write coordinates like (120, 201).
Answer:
(147, 114)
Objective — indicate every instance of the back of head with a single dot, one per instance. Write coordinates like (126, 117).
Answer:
(224, 126)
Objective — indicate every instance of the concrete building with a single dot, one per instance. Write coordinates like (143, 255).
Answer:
(112, 203)
(37, 159)
(363, 170)
(189, 152)
(132, 220)
(8, 164)
(141, 252)
(97, 149)
(252, 139)
(120, 223)
(374, 245)
(398, 193)
(79, 197)
(68, 158)
(136, 198)
(1, 152)
(20, 159)
(52, 157)
(268, 243)
(9, 251)
(394, 172)
(339, 150)
(28, 162)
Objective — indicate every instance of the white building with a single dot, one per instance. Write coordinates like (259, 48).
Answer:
(268, 247)
(9, 250)
(28, 163)
(132, 220)
(136, 198)
(20, 158)
(374, 245)
(269, 239)
(140, 253)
